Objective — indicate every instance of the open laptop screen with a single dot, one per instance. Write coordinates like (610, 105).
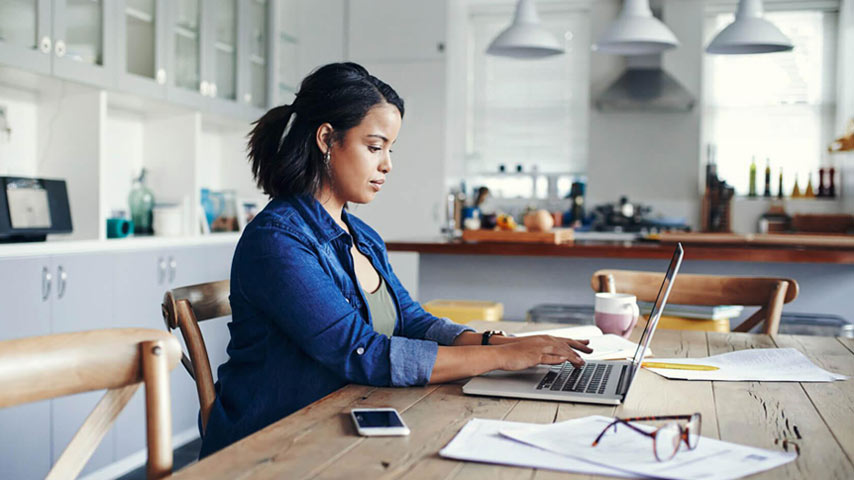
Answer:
(658, 306)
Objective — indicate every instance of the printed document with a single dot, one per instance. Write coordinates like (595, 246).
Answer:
(632, 452)
(758, 364)
(605, 347)
(479, 441)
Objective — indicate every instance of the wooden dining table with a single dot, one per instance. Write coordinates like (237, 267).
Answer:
(816, 420)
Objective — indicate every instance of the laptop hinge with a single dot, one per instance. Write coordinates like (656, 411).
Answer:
(621, 390)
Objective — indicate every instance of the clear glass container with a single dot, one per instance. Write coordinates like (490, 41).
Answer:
(185, 30)
(141, 203)
(225, 46)
(140, 22)
(84, 35)
(18, 23)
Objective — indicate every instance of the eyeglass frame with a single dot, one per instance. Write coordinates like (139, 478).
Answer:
(683, 430)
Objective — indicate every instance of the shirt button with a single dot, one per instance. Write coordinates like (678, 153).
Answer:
(348, 300)
(360, 351)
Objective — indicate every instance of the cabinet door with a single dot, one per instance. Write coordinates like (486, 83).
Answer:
(140, 282)
(25, 39)
(84, 41)
(221, 54)
(25, 429)
(140, 45)
(184, 53)
(285, 59)
(81, 300)
(396, 30)
(255, 76)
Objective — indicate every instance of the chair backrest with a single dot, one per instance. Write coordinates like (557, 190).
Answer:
(693, 289)
(183, 308)
(118, 360)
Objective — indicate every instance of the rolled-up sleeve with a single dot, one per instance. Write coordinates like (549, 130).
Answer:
(443, 331)
(411, 361)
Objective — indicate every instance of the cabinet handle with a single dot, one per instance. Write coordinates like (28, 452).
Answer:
(173, 266)
(161, 270)
(161, 76)
(62, 280)
(45, 45)
(47, 280)
(59, 48)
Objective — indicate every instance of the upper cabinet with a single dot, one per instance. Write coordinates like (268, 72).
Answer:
(211, 55)
(71, 39)
(396, 30)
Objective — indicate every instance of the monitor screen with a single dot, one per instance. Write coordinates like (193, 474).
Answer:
(28, 204)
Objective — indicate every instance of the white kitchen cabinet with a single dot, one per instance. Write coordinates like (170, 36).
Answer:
(80, 300)
(25, 448)
(396, 30)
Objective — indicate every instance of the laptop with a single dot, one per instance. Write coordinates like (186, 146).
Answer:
(601, 382)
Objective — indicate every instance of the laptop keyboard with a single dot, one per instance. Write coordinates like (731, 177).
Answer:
(591, 378)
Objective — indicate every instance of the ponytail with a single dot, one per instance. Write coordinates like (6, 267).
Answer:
(282, 147)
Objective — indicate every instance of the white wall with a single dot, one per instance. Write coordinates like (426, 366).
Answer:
(18, 150)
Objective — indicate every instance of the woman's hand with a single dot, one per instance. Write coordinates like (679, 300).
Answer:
(518, 353)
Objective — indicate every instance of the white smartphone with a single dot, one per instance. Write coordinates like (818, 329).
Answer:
(372, 422)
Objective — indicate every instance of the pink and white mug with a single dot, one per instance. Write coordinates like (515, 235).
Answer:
(616, 313)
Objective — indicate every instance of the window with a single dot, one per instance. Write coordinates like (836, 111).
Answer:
(531, 113)
(776, 107)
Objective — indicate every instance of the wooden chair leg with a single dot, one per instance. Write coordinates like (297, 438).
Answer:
(155, 371)
(89, 436)
(775, 308)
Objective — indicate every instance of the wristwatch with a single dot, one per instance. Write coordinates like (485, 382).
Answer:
(488, 334)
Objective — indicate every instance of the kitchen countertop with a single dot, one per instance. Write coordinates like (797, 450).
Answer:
(62, 247)
(629, 249)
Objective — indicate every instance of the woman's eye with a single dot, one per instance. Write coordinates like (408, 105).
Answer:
(374, 149)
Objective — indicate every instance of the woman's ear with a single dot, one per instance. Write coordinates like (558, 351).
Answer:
(324, 137)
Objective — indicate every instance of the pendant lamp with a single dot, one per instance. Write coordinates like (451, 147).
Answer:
(525, 37)
(749, 33)
(636, 32)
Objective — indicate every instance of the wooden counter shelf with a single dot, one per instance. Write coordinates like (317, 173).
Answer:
(635, 250)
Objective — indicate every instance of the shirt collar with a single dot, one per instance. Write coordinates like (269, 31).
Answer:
(324, 227)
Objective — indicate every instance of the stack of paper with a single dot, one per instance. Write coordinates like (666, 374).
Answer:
(700, 312)
(605, 347)
(567, 446)
(759, 365)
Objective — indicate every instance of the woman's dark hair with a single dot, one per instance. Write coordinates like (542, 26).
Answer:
(282, 146)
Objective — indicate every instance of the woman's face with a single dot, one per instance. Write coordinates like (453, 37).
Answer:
(361, 161)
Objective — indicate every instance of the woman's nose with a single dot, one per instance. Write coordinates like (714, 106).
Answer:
(385, 166)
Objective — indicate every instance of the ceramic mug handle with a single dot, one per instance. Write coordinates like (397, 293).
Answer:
(635, 316)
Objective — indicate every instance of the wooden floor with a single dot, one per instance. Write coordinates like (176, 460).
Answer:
(319, 441)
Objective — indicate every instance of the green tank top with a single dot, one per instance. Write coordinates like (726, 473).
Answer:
(381, 306)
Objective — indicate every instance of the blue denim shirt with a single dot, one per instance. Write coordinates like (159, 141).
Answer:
(300, 325)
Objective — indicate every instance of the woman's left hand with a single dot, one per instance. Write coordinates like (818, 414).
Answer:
(580, 345)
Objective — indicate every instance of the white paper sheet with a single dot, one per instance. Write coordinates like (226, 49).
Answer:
(759, 364)
(479, 441)
(605, 347)
(630, 451)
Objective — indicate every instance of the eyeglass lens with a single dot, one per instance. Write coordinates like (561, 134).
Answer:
(694, 430)
(667, 440)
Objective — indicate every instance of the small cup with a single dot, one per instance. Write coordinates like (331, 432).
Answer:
(616, 313)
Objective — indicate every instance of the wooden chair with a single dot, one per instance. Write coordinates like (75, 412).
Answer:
(690, 289)
(184, 308)
(118, 360)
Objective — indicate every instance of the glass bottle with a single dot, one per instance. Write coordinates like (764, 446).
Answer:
(780, 193)
(831, 185)
(752, 188)
(767, 192)
(141, 202)
(796, 191)
(809, 193)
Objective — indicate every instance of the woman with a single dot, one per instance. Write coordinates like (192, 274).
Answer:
(315, 303)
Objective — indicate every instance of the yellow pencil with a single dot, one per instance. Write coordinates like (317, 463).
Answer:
(678, 366)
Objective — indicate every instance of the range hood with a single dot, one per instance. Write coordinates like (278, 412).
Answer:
(645, 86)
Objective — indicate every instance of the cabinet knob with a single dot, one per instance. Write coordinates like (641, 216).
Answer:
(204, 87)
(62, 276)
(59, 48)
(161, 76)
(45, 45)
(247, 97)
(47, 280)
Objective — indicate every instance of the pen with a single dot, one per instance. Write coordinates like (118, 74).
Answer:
(678, 366)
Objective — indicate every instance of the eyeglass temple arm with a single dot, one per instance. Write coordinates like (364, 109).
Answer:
(659, 417)
(616, 421)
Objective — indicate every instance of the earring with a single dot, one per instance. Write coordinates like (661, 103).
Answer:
(326, 157)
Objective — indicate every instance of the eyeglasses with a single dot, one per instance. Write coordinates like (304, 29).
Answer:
(667, 438)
